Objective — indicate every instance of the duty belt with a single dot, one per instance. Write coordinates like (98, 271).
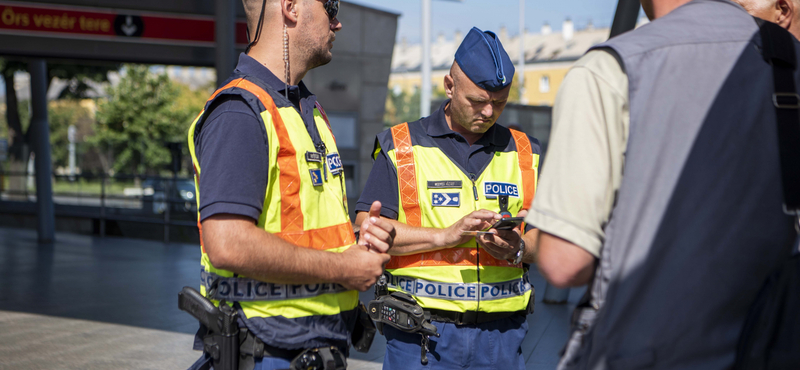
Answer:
(472, 317)
(459, 291)
(237, 289)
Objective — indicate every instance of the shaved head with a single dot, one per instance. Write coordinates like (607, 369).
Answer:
(457, 74)
(252, 10)
(785, 13)
(756, 6)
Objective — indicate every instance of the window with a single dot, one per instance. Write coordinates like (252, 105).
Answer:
(544, 84)
(344, 128)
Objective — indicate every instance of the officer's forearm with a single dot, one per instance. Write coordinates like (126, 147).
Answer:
(410, 239)
(235, 244)
(531, 253)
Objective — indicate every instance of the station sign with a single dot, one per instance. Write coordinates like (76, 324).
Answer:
(74, 22)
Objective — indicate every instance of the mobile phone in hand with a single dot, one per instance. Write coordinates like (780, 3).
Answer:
(476, 233)
(508, 223)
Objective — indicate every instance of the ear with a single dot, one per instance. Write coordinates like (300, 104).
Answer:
(289, 10)
(786, 12)
(449, 85)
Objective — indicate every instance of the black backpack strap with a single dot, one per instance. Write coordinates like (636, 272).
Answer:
(779, 51)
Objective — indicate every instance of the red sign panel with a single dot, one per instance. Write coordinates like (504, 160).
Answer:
(75, 22)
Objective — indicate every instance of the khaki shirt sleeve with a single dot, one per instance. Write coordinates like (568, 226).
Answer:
(582, 169)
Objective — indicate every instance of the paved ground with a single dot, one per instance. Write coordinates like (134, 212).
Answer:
(108, 303)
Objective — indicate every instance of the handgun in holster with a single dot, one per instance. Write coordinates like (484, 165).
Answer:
(222, 340)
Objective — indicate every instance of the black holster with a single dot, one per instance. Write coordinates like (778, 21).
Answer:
(221, 340)
(364, 331)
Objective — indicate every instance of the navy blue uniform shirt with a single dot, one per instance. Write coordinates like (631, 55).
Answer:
(471, 159)
(232, 151)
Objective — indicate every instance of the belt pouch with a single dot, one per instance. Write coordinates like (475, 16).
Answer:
(364, 331)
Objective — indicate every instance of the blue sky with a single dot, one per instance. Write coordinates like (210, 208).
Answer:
(448, 15)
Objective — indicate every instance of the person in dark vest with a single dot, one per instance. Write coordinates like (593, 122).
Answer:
(276, 238)
(785, 13)
(662, 184)
(440, 177)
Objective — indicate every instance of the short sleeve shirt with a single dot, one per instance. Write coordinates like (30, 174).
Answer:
(382, 183)
(232, 149)
(578, 187)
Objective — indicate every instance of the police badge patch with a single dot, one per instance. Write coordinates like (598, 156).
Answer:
(335, 163)
(492, 189)
(316, 176)
(446, 199)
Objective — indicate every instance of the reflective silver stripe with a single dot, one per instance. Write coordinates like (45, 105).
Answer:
(243, 289)
(460, 291)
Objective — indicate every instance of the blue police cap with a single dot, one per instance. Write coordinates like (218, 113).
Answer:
(482, 58)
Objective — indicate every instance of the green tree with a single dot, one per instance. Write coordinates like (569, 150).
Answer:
(513, 95)
(401, 107)
(139, 117)
(78, 76)
(16, 120)
(61, 115)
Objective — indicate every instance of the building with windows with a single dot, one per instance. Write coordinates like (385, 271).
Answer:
(548, 57)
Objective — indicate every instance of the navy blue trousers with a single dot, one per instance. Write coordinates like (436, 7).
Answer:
(266, 363)
(492, 345)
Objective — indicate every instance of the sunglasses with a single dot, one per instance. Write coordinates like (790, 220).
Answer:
(332, 7)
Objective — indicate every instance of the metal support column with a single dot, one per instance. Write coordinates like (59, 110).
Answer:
(225, 36)
(521, 63)
(425, 83)
(41, 146)
(625, 18)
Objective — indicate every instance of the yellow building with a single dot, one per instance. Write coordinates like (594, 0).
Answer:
(548, 57)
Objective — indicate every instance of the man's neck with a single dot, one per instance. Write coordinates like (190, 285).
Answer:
(270, 55)
(664, 7)
(794, 29)
(469, 136)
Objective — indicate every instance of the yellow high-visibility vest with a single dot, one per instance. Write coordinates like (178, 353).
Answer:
(434, 192)
(305, 204)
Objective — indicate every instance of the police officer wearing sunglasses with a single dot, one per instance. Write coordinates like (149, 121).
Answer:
(277, 243)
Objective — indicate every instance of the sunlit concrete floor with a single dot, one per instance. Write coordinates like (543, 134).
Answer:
(109, 303)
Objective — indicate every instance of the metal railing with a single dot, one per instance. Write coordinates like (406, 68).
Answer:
(170, 201)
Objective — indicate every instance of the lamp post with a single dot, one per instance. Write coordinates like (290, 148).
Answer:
(425, 83)
(521, 77)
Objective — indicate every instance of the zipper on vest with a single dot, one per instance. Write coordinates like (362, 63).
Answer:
(472, 178)
(478, 272)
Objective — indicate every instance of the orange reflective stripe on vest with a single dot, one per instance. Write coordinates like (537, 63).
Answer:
(526, 166)
(407, 174)
(321, 239)
(448, 257)
(291, 213)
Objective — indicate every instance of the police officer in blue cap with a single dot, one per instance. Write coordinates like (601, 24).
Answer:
(444, 181)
